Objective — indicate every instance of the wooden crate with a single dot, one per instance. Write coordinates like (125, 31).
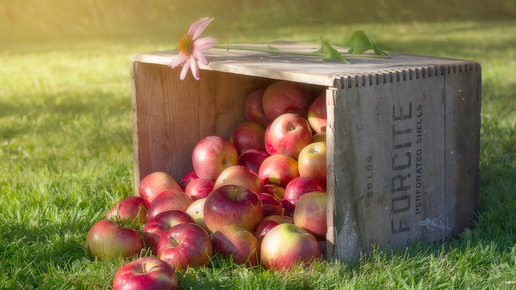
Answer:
(402, 139)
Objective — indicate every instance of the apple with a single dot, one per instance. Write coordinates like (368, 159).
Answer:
(156, 226)
(146, 273)
(319, 137)
(252, 159)
(271, 205)
(270, 222)
(254, 109)
(277, 191)
(232, 205)
(235, 241)
(129, 209)
(171, 199)
(310, 214)
(183, 183)
(239, 175)
(285, 245)
(212, 155)
(248, 135)
(278, 169)
(312, 162)
(154, 183)
(288, 134)
(317, 116)
(196, 211)
(199, 188)
(296, 188)
(106, 239)
(285, 97)
(185, 245)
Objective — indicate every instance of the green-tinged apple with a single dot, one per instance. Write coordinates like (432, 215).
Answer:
(183, 183)
(248, 135)
(271, 205)
(254, 109)
(319, 137)
(288, 134)
(296, 188)
(239, 175)
(232, 205)
(310, 214)
(146, 273)
(171, 199)
(277, 191)
(286, 245)
(312, 162)
(252, 159)
(196, 211)
(156, 226)
(185, 245)
(278, 169)
(129, 209)
(285, 97)
(155, 183)
(317, 116)
(270, 222)
(235, 241)
(106, 239)
(212, 155)
(199, 188)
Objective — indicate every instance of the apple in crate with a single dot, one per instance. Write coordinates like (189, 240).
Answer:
(275, 190)
(185, 245)
(252, 159)
(317, 116)
(239, 175)
(248, 135)
(270, 222)
(129, 209)
(232, 205)
(285, 97)
(156, 226)
(286, 245)
(196, 211)
(278, 169)
(296, 188)
(106, 239)
(254, 108)
(199, 188)
(212, 155)
(155, 183)
(171, 199)
(288, 134)
(310, 214)
(271, 205)
(183, 183)
(319, 137)
(146, 273)
(235, 241)
(312, 162)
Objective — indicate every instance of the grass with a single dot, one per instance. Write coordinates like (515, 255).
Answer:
(66, 156)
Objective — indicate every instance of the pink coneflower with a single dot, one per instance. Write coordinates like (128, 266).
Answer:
(190, 48)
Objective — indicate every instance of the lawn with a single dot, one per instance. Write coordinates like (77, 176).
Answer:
(66, 153)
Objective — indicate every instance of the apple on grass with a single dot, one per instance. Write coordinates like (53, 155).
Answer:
(183, 183)
(254, 108)
(199, 188)
(310, 214)
(212, 155)
(106, 239)
(237, 242)
(279, 170)
(239, 175)
(248, 135)
(129, 209)
(156, 226)
(288, 134)
(286, 245)
(317, 116)
(252, 159)
(296, 188)
(285, 97)
(270, 222)
(232, 205)
(155, 183)
(171, 199)
(185, 245)
(312, 162)
(146, 273)
(196, 211)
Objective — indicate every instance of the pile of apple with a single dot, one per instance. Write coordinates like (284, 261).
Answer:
(259, 197)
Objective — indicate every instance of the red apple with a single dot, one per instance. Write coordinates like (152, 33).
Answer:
(285, 97)
(235, 241)
(278, 169)
(252, 159)
(154, 183)
(271, 205)
(106, 239)
(288, 134)
(310, 214)
(254, 109)
(129, 209)
(146, 273)
(171, 199)
(183, 183)
(312, 162)
(248, 135)
(286, 245)
(232, 205)
(275, 190)
(298, 187)
(270, 222)
(196, 211)
(156, 226)
(239, 175)
(319, 137)
(199, 188)
(317, 116)
(185, 245)
(212, 155)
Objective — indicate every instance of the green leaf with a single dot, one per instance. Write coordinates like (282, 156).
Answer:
(272, 50)
(361, 43)
(331, 54)
(320, 49)
(380, 51)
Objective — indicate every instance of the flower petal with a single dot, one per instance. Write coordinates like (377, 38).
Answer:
(195, 67)
(204, 43)
(185, 69)
(198, 27)
(179, 59)
(198, 55)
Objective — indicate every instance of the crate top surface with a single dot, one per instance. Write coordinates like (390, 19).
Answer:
(299, 68)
